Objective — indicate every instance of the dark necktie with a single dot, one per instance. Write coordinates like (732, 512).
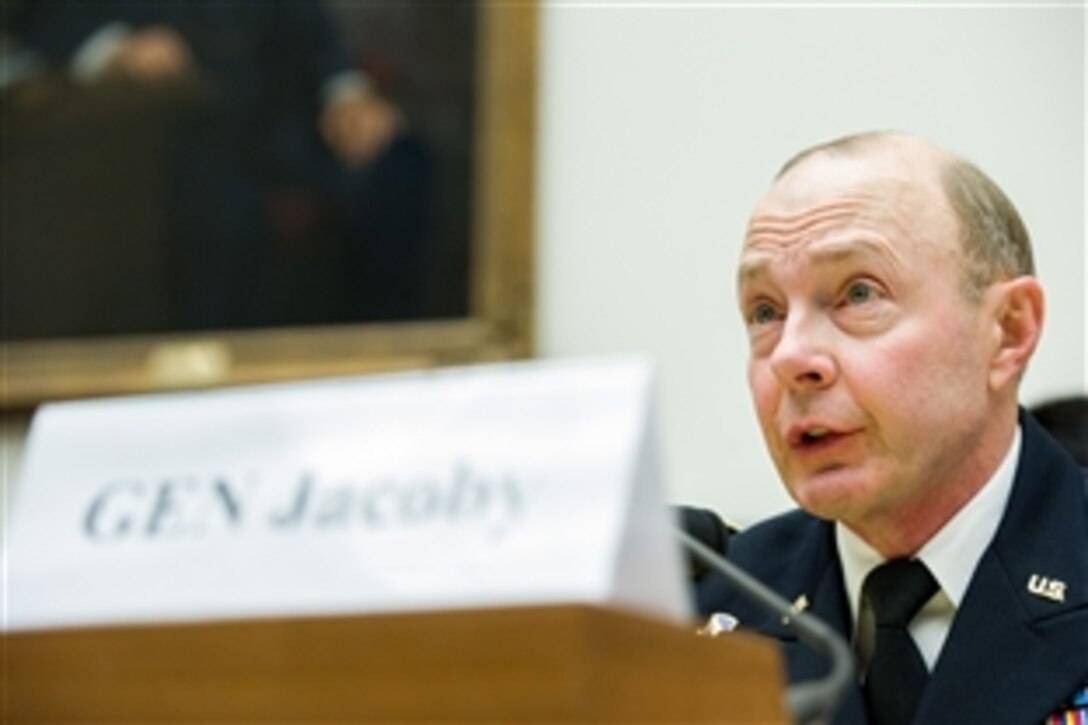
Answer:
(896, 590)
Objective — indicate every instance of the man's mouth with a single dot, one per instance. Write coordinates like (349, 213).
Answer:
(813, 436)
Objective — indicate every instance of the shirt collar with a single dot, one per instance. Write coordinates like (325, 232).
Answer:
(952, 553)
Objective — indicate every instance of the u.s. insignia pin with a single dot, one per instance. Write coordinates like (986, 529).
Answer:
(1047, 588)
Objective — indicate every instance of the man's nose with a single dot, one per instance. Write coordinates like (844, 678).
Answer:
(803, 358)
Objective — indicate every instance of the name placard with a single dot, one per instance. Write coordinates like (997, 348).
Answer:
(493, 485)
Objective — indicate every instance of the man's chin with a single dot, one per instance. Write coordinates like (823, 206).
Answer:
(831, 494)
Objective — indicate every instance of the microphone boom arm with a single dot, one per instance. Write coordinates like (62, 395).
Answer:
(808, 702)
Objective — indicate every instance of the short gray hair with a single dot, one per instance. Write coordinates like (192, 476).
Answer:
(995, 241)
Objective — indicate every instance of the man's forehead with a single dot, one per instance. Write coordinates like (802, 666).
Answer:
(890, 171)
(833, 202)
(891, 188)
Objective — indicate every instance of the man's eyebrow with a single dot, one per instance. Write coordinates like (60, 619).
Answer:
(752, 269)
(821, 253)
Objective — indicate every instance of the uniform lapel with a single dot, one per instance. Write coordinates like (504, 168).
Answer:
(1017, 647)
(826, 599)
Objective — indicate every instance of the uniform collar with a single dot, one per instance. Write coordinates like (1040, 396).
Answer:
(952, 553)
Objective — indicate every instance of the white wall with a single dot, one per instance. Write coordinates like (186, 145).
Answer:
(661, 124)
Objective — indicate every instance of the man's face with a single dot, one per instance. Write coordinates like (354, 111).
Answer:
(868, 364)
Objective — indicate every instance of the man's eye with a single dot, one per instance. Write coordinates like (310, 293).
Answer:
(762, 313)
(860, 292)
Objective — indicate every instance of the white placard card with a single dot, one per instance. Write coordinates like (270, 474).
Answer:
(494, 485)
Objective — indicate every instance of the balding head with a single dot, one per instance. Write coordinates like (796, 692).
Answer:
(994, 240)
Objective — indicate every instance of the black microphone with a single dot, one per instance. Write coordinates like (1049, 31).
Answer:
(709, 529)
(808, 702)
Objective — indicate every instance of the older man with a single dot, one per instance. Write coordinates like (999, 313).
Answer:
(888, 292)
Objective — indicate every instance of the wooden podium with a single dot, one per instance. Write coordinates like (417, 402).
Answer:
(553, 664)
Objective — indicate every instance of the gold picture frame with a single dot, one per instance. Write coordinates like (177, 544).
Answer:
(500, 319)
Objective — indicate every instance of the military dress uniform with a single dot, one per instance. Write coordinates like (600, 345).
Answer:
(1017, 650)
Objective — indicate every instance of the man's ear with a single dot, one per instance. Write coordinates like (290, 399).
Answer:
(1018, 324)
